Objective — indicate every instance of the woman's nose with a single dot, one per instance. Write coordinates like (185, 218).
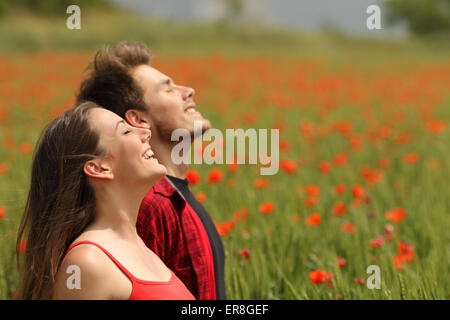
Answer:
(146, 135)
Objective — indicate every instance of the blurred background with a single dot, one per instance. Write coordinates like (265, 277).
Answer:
(27, 24)
(363, 118)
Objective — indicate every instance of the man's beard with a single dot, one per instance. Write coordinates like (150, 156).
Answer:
(165, 132)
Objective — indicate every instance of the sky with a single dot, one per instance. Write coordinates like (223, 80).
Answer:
(348, 16)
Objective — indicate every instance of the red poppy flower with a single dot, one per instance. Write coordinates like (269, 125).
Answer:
(357, 191)
(324, 167)
(340, 159)
(411, 157)
(200, 196)
(388, 229)
(266, 208)
(215, 175)
(341, 261)
(371, 176)
(306, 128)
(404, 247)
(436, 126)
(396, 215)
(376, 242)
(313, 190)
(260, 183)
(339, 209)
(355, 142)
(339, 189)
(348, 227)
(224, 228)
(240, 214)
(288, 166)
(25, 147)
(3, 168)
(2, 212)
(343, 127)
(193, 176)
(313, 220)
(402, 138)
(405, 254)
(310, 201)
(285, 145)
(245, 253)
(320, 276)
(233, 167)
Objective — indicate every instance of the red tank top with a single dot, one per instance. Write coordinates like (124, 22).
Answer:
(174, 289)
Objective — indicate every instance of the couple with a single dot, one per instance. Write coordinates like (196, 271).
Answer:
(109, 215)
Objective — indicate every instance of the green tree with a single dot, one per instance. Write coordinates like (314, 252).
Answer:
(233, 9)
(423, 17)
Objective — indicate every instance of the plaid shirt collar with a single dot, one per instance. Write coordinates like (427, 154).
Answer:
(165, 188)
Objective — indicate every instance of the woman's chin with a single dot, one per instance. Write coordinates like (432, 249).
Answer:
(158, 172)
(162, 171)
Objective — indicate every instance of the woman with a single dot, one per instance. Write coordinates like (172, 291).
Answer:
(90, 172)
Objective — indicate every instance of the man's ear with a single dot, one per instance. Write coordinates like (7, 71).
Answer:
(97, 169)
(136, 119)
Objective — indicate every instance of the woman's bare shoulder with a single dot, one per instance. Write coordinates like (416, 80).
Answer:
(86, 273)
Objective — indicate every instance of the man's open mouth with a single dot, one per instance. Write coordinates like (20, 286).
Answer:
(190, 109)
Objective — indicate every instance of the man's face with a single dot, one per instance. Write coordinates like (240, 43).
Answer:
(169, 106)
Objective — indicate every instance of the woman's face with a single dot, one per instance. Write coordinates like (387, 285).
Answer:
(128, 154)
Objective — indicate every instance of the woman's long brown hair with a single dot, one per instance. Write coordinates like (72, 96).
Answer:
(60, 202)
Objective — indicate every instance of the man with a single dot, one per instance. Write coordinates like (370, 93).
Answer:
(171, 221)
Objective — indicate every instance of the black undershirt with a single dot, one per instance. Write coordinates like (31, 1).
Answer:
(214, 238)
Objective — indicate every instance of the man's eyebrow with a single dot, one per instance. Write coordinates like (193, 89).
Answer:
(119, 122)
(166, 81)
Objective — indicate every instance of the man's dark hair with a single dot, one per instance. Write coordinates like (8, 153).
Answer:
(109, 82)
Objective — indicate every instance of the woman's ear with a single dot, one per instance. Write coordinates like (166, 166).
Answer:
(97, 169)
(136, 119)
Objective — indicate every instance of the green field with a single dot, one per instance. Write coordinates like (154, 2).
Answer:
(372, 113)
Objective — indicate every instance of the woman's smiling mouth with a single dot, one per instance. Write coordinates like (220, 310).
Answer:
(148, 154)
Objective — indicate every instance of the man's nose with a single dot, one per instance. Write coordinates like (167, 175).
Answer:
(188, 93)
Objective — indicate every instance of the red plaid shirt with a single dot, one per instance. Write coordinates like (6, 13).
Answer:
(168, 225)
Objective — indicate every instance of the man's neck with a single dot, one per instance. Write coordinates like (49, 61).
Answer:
(163, 153)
